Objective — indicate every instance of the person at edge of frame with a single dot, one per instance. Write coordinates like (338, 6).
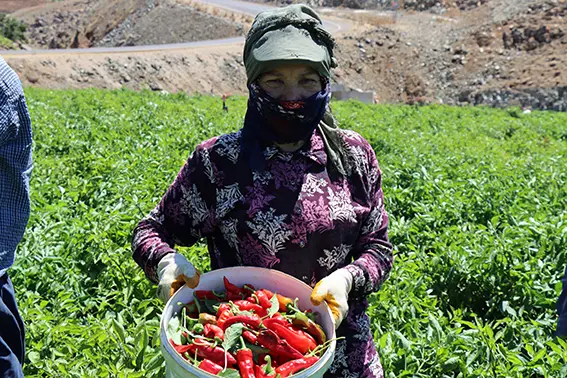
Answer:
(15, 171)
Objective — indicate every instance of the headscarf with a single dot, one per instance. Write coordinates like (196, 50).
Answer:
(292, 34)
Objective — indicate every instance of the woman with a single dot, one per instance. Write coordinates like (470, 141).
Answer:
(289, 191)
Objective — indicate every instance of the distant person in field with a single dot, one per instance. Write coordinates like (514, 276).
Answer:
(224, 107)
(289, 191)
(562, 309)
(15, 170)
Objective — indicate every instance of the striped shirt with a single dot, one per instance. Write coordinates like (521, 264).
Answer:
(15, 164)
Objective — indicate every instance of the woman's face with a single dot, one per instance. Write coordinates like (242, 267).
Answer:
(291, 82)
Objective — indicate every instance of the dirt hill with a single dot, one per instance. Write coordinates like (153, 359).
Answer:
(88, 23)
(494, 52)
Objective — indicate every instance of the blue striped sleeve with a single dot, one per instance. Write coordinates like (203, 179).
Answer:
(15, 164)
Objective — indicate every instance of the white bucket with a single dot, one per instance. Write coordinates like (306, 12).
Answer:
(261, 278)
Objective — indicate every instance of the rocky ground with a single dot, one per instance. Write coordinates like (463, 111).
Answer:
(492, 52)
(86, 23)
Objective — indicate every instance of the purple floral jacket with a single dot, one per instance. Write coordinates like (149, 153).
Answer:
(292, 217)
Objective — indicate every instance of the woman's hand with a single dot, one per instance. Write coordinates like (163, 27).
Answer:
(334, 290)
(174, 271)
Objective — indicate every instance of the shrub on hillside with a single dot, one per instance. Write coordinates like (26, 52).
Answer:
(11, 28)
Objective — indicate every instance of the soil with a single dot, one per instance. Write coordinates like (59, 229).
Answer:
(9, 6)
(493, 52)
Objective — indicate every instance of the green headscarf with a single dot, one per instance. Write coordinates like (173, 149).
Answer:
(295, 34)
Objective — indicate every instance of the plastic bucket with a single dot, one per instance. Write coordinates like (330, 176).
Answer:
(177, 367)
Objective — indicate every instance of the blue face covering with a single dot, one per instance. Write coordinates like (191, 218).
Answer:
(269, 120)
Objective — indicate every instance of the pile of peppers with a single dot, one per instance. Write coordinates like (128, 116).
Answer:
(248, 333)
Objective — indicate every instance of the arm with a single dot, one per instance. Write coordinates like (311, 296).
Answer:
(15, 164)
(183, 216)
(372, 253)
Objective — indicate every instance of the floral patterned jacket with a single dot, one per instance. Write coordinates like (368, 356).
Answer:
(292, 217)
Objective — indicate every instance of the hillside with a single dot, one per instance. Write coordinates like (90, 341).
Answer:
(494, 52)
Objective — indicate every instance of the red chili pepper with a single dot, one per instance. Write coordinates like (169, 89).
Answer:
(212, 331)
(230, 287)
(252, 321)
(269, 293)
(294, 366)
(224, 312)
(206, 294)
(307, 335)
(244, 305)
(277, 347)
(245, 363)
(205, 349)
(192, 309)
(250, 337)
(277, 318)
(295, 339)
(181, 349)
(210, 367)
(233, 296)
(310, 326)
(263, 299)
(283, 301)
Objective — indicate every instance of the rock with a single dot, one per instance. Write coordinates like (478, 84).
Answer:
(484, 39)
(32, 78)
(154, 86)
(531, 44)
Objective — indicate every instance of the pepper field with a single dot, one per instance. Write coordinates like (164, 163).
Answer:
(477, 200)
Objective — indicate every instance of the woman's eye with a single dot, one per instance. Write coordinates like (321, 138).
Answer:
(309, 82)
(273, 82)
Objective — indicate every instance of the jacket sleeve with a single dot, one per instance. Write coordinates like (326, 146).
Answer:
(15, 164)
(372, 256)
(184, 215)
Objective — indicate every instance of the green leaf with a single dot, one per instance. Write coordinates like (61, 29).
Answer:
(232, 335)
(538, 356)
(229, 373)
(450, 363)
(403, 340)
(257, 349)
(275, 306)
(174, 330)
(210, 305)
(34, 357)
(119, 330)
(154, 363)
(435, 325)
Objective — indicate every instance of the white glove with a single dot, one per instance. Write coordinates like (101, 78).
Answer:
(334, 290)
(174, 271)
